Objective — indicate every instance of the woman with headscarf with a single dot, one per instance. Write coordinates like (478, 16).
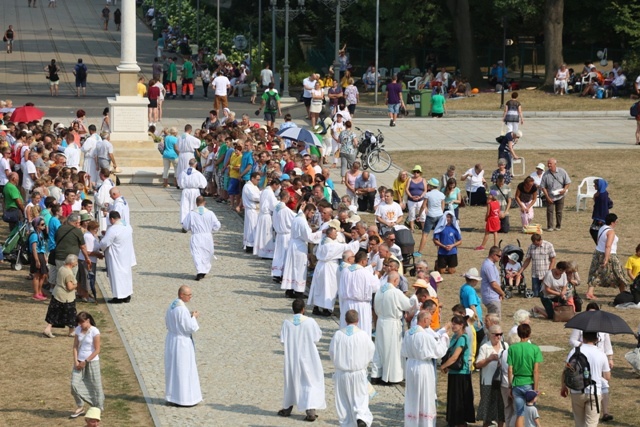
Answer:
(601, 205)
(606, 269)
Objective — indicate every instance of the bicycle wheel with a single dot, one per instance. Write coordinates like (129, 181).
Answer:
(379, 160)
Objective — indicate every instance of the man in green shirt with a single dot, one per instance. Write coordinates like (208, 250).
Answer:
(187, 78)
(172, 77)
(523, 359)
(13, 203)
(271, 105)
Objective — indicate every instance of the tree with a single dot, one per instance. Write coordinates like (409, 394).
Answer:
(553, 25)
(459, 10)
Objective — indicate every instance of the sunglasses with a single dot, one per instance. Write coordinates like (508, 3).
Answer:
(497, 335)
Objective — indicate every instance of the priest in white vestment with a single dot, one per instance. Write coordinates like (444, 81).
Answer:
(119, 205)
(182, 384)
(351, 350)
(324, 285)
(390, 303)
(191, 181)
(357, 285)
(422, 347)
(201, 222)
(282, 218)
(102, 198)
(185, 147)
(303, 372)
(250, 199)
(294, 276)
(120, 258)
(89, 149)
(264, 243)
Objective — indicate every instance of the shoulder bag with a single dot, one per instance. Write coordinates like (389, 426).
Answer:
(458, 365)
(496, 381)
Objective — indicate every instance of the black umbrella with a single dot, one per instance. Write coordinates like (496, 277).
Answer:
(599, 321)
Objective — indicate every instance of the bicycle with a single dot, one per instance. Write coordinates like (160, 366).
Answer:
(372, 155)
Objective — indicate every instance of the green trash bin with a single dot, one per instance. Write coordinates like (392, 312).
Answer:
(422, 102)
(405, 96)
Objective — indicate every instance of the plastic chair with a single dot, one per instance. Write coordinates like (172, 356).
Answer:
(413, 84)
(519, 161)
(395, 71)
(588, 193)
(383, 72)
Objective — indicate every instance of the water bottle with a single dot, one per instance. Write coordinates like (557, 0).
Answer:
(586, 374)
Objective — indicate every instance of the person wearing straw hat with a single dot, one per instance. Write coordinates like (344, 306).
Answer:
(537, 174)
(434, 205)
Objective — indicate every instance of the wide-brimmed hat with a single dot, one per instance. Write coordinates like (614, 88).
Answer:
(433, 182)
(335, 224)
(420, 283)
(417, 168)
(513, 257)
(540, 166)
(472, 274)
(93, 413)
(84, 216)
(298, 171)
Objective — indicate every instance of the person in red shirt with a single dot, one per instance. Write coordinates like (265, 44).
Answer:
(153, 94)
(295, 191)
(67, 204)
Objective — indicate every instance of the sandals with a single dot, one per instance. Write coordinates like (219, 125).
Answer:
(285, 412)
(79, 412)
(48, 335)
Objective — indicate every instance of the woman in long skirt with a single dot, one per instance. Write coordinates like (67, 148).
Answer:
(62, 307)
(606, 269)
(86, 381)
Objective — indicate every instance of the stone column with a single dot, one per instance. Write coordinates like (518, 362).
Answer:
(128, 111)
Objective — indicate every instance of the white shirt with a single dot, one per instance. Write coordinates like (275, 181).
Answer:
(620, 80)
(266, 76)
(85, 342)
(553, 283)
(90, 244)
(220, 84)
(4, 165)
(598, 363)
(27, 181)
(602, 240)
(103, 149)
(536, 178)
(389, 212)
(474, 180)
(434, 199)
(309, 84)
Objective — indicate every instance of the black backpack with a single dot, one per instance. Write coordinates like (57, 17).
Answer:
(577, 374)
(81, 74)
(272, 102)
(635, 289)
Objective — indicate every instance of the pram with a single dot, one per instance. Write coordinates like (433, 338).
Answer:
(15, 248)
(504, 260)
(404, 239)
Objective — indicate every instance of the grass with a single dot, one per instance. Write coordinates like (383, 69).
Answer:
(36, 372)
(572, 243)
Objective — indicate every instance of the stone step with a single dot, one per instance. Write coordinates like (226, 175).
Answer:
(141, 175)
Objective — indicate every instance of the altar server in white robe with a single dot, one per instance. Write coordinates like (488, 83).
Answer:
(303, 372)
(191, 181)
(250, 199)
(324, 285)
(186, 146)
(294, 276)
(357, 285)
(264, 242)
(282, 218)
(102, 199)
(120, 258)
(390, 304)
(89, 149)
(351, 350)
(182, 384)
(422, 347)
(201, 222)
(119, 205)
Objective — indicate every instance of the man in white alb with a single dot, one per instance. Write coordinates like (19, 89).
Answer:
(357, 285)
(303, 372)
(282, 218)
(117, 245)
(119, 205)
(89, 149)
(182, 384)
(201, 222)
(264, 243)
(390, 303)
(185, 147)
(351, 350)
(191, 181)
(250, 199)
(102, 198)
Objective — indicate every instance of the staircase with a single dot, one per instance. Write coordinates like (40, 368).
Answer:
(138, 162)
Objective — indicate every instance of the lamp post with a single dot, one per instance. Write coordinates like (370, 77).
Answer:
(218, 22)
(341, 5)
(198, 22)
(259, 36)
(375, 75)
(504, 54)
(288, 14)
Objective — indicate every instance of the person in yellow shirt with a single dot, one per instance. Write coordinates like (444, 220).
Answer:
(399, 187)
(235, 189)
(141, 88)
(632, 266)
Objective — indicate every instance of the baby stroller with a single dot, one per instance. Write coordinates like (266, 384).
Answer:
(15, 248)
(504, 260)
(404, 239)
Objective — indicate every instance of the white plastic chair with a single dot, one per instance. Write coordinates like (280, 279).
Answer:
(588, 193)
(395, 71)
(413, 84)
(519, 161)
(383, 72)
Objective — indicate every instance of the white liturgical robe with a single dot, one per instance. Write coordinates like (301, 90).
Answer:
(190, 181)
(264, 243)
(186, 146)
(351, 350)
(294, 275)
(282, 218)
(201, 222)
(356, 288)
(324, 285)
(121, 206)
(101, 199)
(390, 303)
(303, 373)
(182, 384)
(120, 257)
(422, 348)
(90, 164)
(250, 199)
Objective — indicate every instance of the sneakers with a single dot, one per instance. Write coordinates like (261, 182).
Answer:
(558, 229)
(549, 229)
(479, 248)
(390, 122)
(39, 297)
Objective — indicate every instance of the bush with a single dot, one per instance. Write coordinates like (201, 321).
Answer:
(296, 78)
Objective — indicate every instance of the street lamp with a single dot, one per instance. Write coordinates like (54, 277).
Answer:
(341, 5)
(288, 14)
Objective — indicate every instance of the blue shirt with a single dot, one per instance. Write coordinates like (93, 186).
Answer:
(330, 183)
(448, 236)
(247, 159)
(54, 224)
(361, 183)
(38, 239)
(469, 297)
(489, 273)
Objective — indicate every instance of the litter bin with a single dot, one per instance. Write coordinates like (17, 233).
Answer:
(422, 102)
(405, 96)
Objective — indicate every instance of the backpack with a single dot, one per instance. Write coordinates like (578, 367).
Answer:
(577, 374)
(633, 111)
(635, 289)
(335, 199)
(272, 102)
(81, 73)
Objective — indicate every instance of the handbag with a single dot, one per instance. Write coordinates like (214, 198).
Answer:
(458, 365)
(11, 215)
(496, 380)
(563, 313)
